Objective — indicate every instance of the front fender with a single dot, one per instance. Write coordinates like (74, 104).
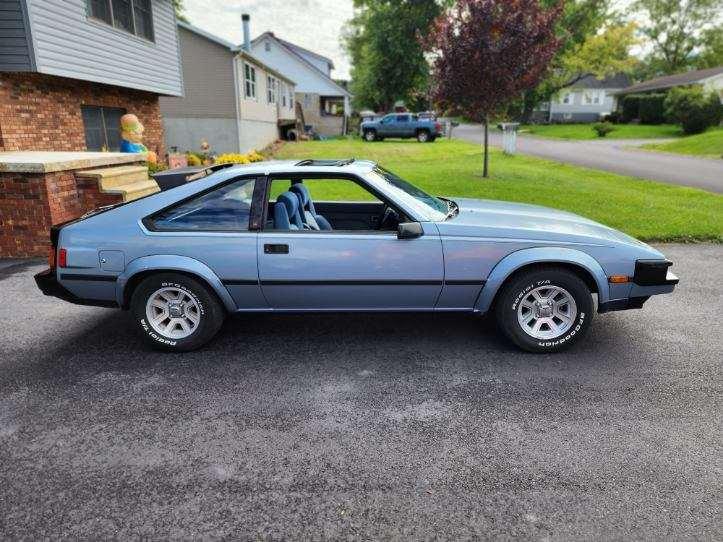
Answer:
(172, 262)
(512, 262)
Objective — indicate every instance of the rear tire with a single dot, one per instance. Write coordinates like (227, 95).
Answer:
(544, 309)
(176, 313)
(423, 136)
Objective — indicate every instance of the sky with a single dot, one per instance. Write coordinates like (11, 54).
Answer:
(313, 24)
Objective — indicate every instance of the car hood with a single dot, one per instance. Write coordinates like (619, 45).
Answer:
(491, 218)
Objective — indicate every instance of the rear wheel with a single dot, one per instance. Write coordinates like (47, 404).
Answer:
(370, 135)
(175, 312)
(423, 136)
(544, 309)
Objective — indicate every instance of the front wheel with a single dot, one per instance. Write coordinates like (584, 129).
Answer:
(175, 312)
(545, 309)
(370, 135)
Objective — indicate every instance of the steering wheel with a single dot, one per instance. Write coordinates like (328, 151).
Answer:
(390, 219)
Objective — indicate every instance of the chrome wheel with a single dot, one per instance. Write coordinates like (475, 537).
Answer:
(173, 313)
(546, 312)
(370, 135)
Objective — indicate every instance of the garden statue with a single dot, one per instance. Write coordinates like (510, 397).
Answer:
(132, 137)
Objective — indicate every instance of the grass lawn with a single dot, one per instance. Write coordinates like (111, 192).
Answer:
(708, 144)
(647, 210)
(585, 131)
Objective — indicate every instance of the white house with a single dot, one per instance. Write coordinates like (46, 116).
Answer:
(588, 100)
(231, 99)
(710, 79)
(324, 103)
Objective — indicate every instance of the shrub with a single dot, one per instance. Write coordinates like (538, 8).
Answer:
(236, 158)
(193, 159)
(651, 109)
(154, 168)
(603, 128)
(631, 107)
(693, 109)
(614, 117)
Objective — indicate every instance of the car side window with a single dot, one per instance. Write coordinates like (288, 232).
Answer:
(402, 118)
(227, 208)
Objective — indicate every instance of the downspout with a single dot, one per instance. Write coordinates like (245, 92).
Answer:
(237, 101)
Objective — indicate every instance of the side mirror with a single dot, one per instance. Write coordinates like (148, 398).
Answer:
(409, 230)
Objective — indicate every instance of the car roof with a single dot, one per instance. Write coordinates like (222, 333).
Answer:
(307, 166)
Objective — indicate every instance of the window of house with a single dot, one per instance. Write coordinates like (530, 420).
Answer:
(282, 93)
(332, 106)
(271, 87)
(566, 98)
(291, 97)
(134, 16)
(223, 209)
(102, 127)
(250, 80)
(593, 97)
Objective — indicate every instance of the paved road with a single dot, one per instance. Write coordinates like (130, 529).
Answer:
(363, 426)
(614, 155)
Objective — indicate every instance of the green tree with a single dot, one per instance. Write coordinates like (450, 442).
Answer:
(593, 42)
(676, 30)
(383, 41)
(711, 53)
(180, 9)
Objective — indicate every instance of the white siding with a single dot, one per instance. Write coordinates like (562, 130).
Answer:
(69, 44)
(577, 104)
(307, 79)
(320, 63)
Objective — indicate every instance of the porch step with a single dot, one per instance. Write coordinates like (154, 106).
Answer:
(135, 190)
(111, 177)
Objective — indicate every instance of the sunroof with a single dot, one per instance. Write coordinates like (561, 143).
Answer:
(311, 162)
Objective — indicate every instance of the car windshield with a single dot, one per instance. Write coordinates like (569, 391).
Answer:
(430, 207)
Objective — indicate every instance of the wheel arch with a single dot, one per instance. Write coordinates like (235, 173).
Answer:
(140, 268)
(580, 263)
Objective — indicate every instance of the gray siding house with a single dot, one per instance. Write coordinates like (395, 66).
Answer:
(231, 100)
(588, 100)
(71, 68)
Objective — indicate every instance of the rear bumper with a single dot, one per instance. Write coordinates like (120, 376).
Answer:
(47, 282)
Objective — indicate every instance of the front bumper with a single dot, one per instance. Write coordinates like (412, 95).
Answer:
(652, 277)
(47, 282)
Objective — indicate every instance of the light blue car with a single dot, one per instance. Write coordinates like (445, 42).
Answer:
(255, 238)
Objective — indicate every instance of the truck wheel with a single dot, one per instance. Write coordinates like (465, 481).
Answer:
(544, 309)
(370, 135)
(175, 312)
(423, 136)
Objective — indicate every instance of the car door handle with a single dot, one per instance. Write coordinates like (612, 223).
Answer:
(276, 249)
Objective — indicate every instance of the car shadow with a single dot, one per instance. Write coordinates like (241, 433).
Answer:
(392, 343)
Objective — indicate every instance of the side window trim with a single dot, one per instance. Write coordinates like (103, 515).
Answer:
(149, 223)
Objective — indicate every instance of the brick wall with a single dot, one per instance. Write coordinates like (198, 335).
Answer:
(31, 202)
(42, 112)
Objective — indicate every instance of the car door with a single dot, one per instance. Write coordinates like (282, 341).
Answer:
(350, 269)
(404, 126)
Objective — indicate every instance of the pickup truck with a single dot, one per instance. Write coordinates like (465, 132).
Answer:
(404, 125)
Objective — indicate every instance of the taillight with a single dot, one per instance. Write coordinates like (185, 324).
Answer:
(438, 126)
(51, 257)
(62, 258)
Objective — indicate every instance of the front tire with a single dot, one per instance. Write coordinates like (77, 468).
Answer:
(544, 309)
(175, 312)
(370, 136)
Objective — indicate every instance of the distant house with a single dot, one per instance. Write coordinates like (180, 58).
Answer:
(324, 102)
(69, 70)
(232, 100)
(588, 100)
(710, 79)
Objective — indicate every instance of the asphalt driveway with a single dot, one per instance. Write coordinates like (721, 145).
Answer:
(403, 427)
(617, 156)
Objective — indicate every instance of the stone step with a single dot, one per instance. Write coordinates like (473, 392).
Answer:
(135, 190)
(111, 177)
